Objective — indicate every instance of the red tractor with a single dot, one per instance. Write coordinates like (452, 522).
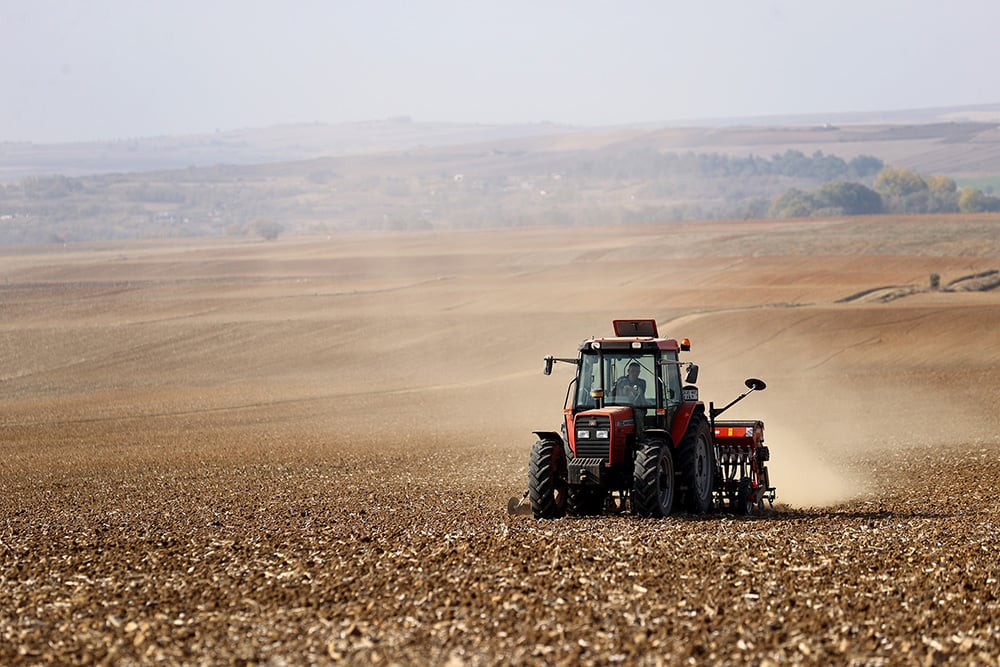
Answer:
(633, 436)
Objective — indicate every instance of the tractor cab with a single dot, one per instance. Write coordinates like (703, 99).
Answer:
(626, 385)
(635, 368)
(636, 378)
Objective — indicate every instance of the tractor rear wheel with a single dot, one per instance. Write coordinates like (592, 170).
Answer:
(653, 480)
(696, 461)
(547, 486)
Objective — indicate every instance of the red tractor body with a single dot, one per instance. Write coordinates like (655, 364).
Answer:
(635, 435)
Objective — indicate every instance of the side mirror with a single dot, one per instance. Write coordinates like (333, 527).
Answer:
(692, 374)
(548, 366)
(753, 384)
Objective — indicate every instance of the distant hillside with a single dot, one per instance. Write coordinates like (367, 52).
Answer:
(401, 175)
(863, 133)
(283, 143)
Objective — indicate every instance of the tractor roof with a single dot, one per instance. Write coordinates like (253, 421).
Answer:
(643, 328)
(636, 334)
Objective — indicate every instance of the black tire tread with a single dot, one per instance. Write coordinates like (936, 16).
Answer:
(687, 462)
(645, 486)
(544, 481)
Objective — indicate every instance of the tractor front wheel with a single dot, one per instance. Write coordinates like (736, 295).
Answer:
(547, 486)
(653, 480)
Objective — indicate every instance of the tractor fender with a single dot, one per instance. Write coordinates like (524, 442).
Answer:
(560, 449)
(550, 435)
(686, 410)
(659, 433)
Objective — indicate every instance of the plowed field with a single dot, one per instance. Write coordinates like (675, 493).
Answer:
(240, 452)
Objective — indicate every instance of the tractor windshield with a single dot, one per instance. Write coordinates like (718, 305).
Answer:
(626, 378)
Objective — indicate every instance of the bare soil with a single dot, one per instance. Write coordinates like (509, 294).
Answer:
(301, 452)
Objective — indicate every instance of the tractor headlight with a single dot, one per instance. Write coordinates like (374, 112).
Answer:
(601, 435)
(583, 434)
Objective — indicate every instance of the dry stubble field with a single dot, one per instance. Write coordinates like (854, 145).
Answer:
(239, 452)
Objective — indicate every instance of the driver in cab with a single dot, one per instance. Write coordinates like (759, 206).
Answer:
(630, 387)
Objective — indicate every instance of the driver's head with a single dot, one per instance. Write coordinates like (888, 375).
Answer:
(633, 370)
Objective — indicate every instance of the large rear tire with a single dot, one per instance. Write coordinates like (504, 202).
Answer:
(547, 486)
(696, 463)
(653, 480)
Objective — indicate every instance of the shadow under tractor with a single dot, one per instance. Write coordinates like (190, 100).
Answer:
(635, 438)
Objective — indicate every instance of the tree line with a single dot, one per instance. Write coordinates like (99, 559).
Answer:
(894, 190)
(649, 163)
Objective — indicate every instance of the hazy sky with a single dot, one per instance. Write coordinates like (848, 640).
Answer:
(104, 69)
